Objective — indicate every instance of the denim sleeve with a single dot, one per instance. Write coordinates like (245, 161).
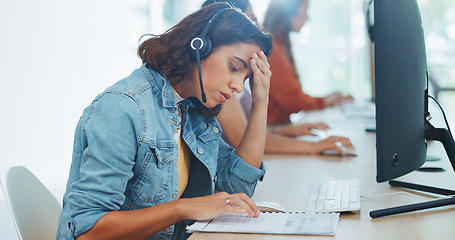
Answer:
(109, 132)
(235, 175)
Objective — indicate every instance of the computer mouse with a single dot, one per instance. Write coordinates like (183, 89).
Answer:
(270, 207)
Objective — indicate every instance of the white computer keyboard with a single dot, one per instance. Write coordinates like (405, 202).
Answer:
(334, 196)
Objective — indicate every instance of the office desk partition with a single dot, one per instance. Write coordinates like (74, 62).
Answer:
(289, 177)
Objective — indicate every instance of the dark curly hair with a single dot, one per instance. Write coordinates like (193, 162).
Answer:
(167, 53)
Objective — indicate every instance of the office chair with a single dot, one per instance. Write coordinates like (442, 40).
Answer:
(35, 211)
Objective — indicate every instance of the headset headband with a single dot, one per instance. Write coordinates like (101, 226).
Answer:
(212, 19)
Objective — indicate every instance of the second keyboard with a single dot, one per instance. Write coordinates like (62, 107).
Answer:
(334, 196)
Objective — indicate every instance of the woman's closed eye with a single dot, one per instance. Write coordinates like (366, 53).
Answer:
(233, 68)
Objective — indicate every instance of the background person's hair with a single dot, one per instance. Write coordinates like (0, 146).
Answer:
(277, 21)
(167, 53)
(242, 4)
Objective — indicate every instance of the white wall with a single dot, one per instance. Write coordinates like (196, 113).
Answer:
(55, 57)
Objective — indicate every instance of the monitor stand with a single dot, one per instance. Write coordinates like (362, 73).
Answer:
(431, 133)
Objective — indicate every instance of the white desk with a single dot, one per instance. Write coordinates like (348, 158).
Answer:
(288, 178)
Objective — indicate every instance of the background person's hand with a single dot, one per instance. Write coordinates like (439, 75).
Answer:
(331, 143)
(336, 98)
(294, 130)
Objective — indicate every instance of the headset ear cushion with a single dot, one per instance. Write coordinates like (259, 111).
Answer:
(204, 50)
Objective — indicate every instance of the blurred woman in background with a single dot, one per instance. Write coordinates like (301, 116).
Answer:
(286, 95)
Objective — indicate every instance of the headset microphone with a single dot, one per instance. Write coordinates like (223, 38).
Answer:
(201, 46)
(198, 43)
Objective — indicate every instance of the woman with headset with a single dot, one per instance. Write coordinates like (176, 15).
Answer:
(148, 157)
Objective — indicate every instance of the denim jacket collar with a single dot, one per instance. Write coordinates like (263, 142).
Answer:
(162, 89)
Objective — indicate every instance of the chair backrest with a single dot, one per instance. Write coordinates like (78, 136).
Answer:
(34, 209)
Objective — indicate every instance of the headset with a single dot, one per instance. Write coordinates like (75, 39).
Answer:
(370, 27)
(201, 46)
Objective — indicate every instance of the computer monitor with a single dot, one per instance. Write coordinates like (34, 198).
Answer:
(400, 73)
(401, 98)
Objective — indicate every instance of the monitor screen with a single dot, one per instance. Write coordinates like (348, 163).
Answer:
(400, 84)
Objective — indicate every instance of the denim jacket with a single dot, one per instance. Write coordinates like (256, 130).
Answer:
(124, 155)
